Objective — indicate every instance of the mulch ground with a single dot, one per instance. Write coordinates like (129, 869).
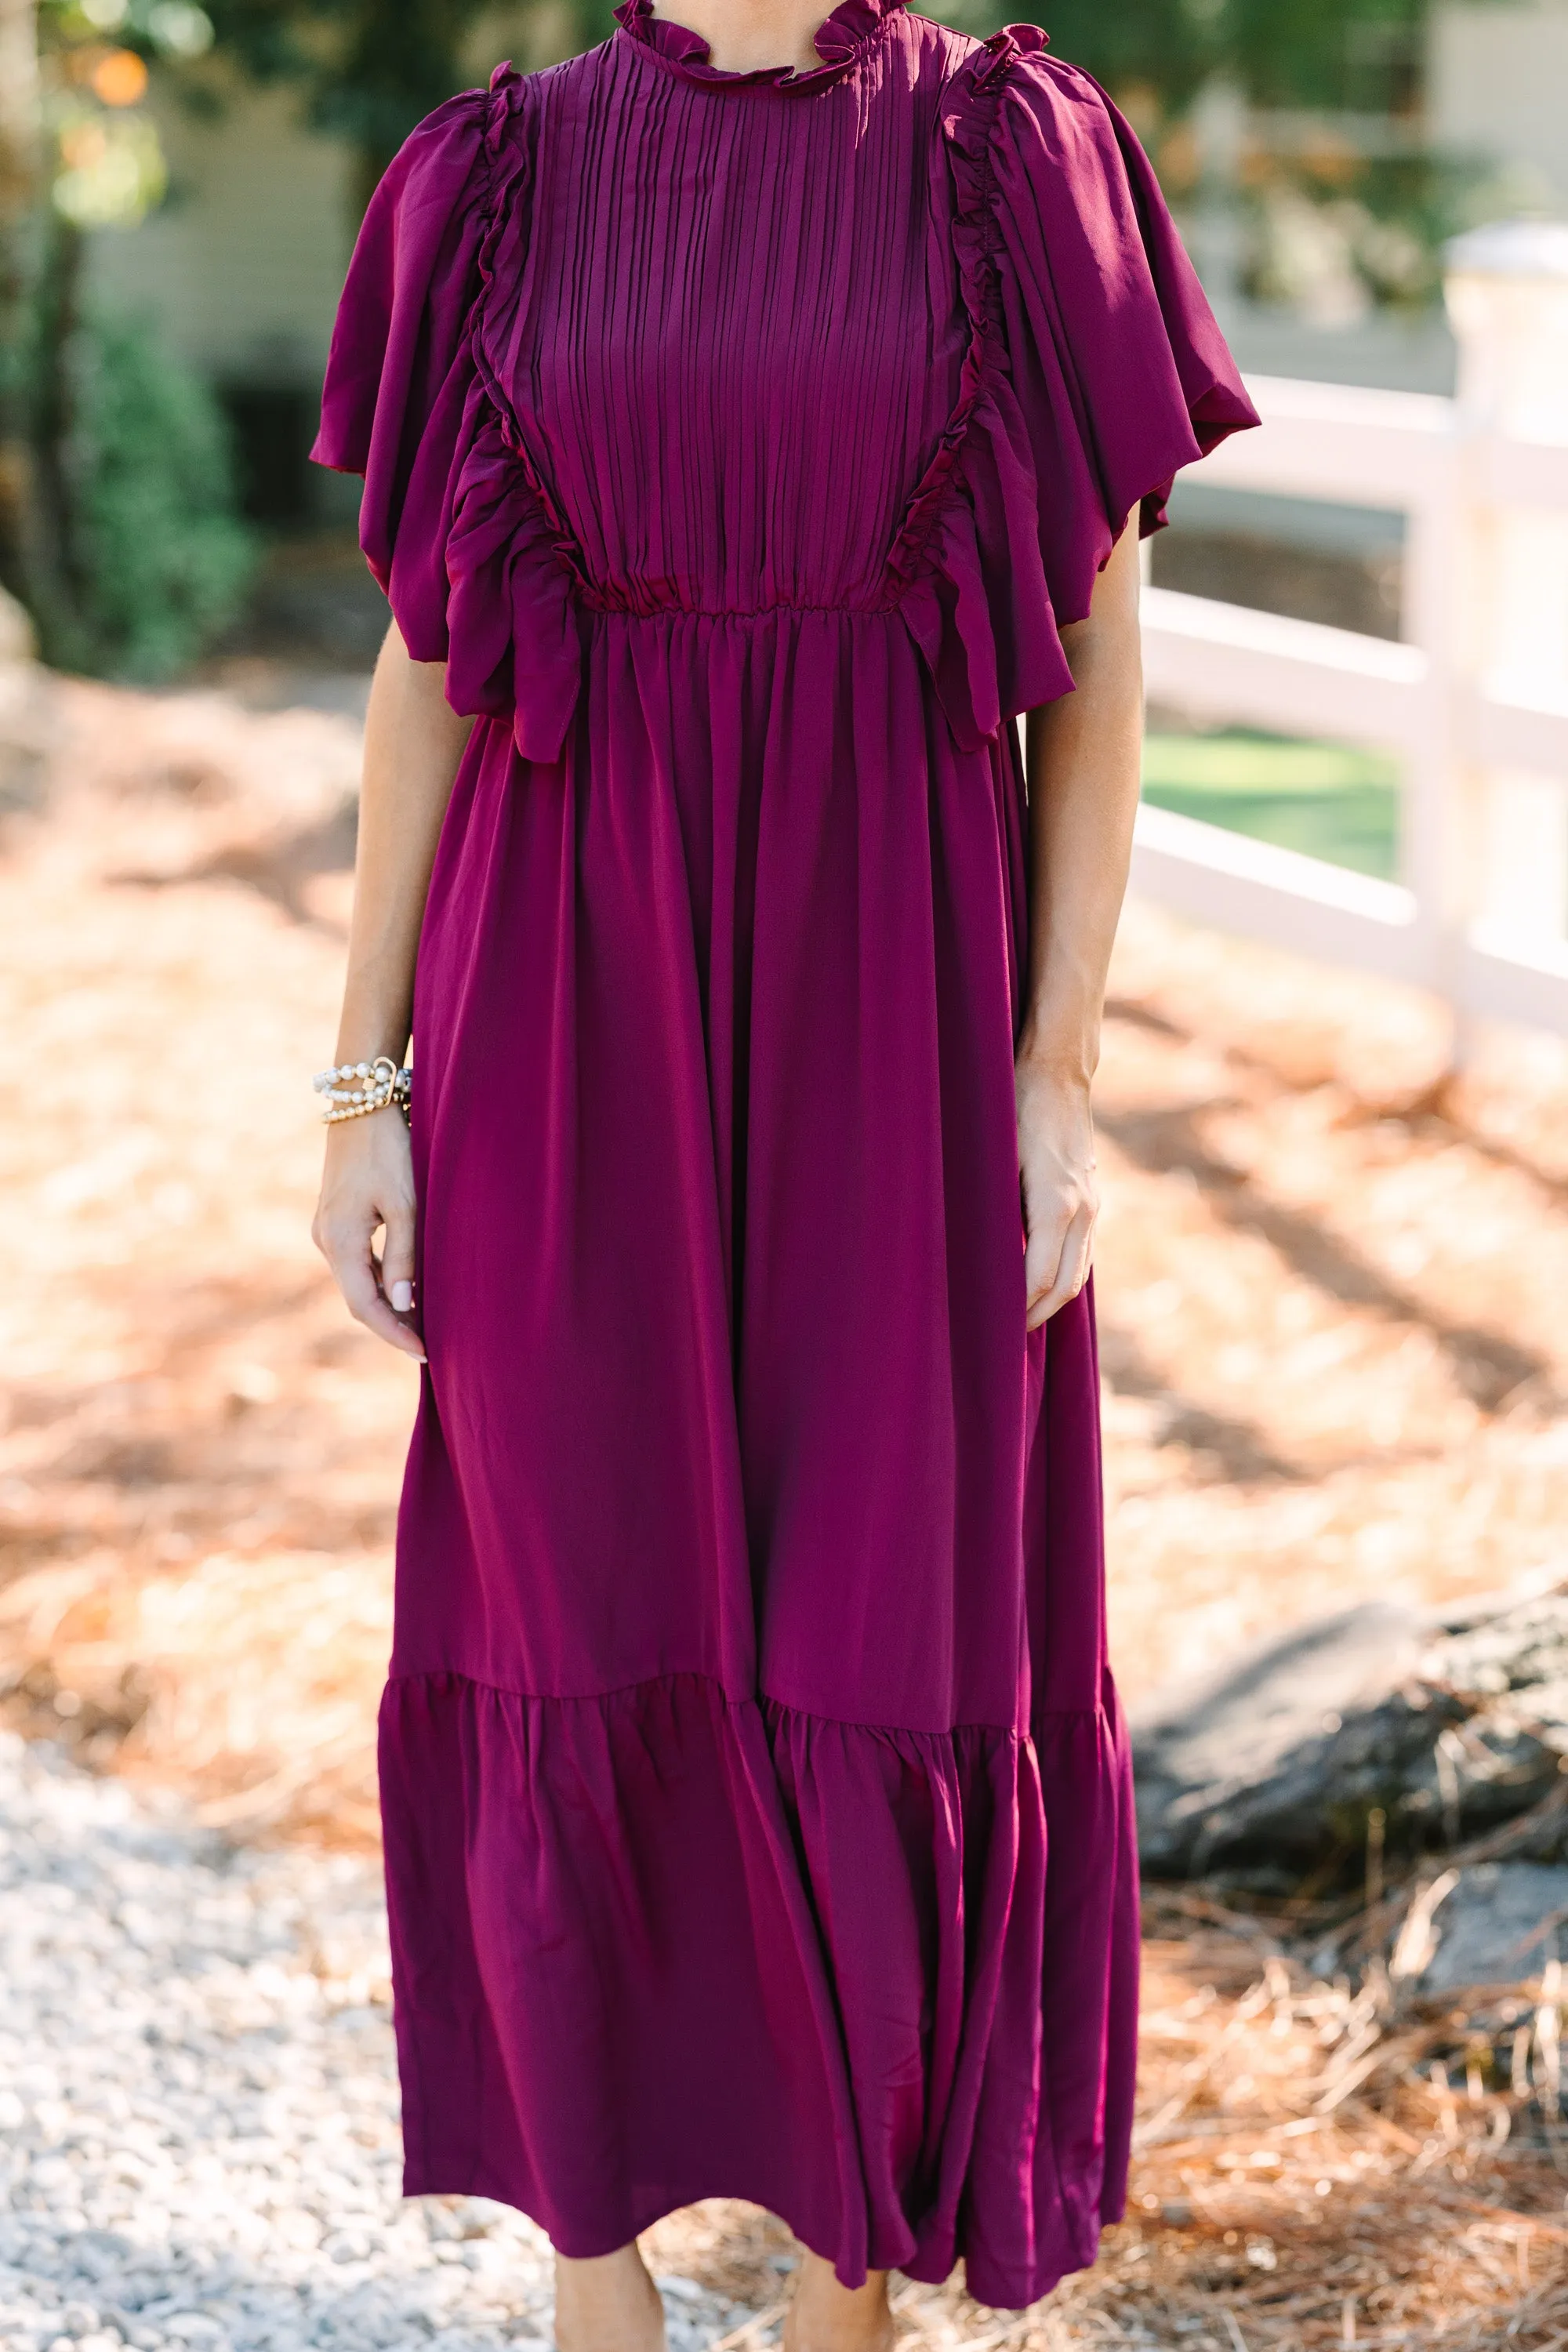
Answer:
(1331, 1281)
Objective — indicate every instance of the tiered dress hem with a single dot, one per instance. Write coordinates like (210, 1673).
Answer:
(886, 1960)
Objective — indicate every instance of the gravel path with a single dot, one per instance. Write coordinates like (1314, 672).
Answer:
(198, 2106)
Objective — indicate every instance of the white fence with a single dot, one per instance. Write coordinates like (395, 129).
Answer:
(1474, 701)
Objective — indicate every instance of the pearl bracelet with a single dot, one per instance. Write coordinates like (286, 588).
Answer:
(356, 1089)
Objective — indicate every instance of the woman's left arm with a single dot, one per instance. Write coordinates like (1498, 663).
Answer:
(1083, 755)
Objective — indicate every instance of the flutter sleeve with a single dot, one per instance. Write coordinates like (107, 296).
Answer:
(401, 367)
(1095, 370)
(1120, 371)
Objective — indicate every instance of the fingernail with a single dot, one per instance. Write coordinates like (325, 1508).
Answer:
(402, 1297)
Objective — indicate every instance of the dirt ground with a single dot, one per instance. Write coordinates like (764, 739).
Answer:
(1332, 1287)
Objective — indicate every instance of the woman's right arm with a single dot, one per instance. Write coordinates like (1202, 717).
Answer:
(413, 743)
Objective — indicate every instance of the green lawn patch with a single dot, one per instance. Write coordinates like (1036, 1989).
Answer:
(1332, 800)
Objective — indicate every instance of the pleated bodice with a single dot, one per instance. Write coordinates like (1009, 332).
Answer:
(737, 416)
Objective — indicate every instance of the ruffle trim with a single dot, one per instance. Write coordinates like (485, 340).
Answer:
(662, 1945)
(1019, 509)
(512, 565)
(970, 522)
(966, 124)
(853, 26)
(514, 637)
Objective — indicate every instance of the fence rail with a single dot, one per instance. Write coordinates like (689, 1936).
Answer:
(1475, 698)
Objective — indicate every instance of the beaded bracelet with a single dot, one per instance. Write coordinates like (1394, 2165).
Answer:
(370, 1086)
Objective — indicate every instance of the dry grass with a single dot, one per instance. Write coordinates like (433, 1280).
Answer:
(1335, 1362)
(199, 1474)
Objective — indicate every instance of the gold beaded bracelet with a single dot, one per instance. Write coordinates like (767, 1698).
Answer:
(356, 1089)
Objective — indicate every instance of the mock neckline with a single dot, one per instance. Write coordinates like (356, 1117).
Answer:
(839, 41)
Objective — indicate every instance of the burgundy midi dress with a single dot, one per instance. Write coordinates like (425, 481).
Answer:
(756, 1796)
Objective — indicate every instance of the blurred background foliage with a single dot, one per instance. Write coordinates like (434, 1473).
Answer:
(117, 524)
(1329, 53)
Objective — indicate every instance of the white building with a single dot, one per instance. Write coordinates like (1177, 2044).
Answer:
(1496, 86)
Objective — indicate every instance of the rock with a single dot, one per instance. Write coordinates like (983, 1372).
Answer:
(1512, 1657)
(16, 643)
(1271, 1767)
(1238, 1764)
(1504, 1921)
(29, 726)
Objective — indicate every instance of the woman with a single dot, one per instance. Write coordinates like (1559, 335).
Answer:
(749, 413)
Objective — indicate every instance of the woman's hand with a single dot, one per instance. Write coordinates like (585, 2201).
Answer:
(369, 1182)
(1081, 756)
(1057, 1179)
(413, 743)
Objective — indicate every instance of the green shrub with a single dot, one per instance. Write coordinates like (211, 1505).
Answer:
(157, 555)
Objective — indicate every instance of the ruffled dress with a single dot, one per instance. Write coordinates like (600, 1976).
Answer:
(756, 1798)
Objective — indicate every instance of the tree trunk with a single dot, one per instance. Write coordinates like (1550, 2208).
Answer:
(21, 175)
(55, 570)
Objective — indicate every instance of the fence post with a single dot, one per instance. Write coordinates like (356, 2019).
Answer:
(1506, 292)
